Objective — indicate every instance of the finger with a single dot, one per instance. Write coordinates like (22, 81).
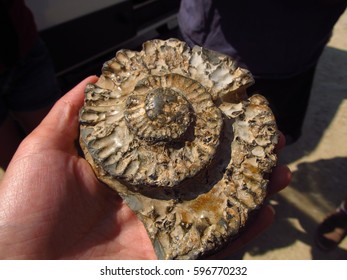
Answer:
(60, 126)
(281, 142)
(280, 178)
(75, 96)
(259, 224)
(67, 108)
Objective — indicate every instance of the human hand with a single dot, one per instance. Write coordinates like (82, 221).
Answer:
(53, 207)
(51, 204)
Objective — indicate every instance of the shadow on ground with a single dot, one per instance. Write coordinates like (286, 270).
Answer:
(297, 222)
(329, 90)
(318, 186)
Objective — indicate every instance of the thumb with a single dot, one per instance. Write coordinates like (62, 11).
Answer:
(60, 127)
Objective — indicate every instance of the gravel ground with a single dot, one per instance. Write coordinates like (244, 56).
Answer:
(318, 162)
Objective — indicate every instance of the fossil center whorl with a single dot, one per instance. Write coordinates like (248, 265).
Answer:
(167, 112)
(175, 127)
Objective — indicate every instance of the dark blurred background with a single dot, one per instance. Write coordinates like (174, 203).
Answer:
(82, 35)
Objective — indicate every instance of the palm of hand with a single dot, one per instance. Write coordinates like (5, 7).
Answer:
(62, 211)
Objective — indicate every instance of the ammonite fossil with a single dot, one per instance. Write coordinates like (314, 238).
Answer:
(171, 129)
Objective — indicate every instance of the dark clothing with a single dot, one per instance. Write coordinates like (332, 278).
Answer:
(18, 32)
(30, 84)
(273, 39)
(280, 42)
(27, 78)
(288, 99)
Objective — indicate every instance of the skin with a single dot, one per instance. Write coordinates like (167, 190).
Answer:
(53, 207)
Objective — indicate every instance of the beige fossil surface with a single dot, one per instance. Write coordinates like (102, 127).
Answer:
(171, 129)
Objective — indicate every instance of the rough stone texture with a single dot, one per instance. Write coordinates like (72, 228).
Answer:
(172, 131)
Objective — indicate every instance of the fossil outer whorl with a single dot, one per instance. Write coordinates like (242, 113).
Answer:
(170, 130)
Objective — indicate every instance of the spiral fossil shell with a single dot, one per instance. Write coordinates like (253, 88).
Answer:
(171, 130)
